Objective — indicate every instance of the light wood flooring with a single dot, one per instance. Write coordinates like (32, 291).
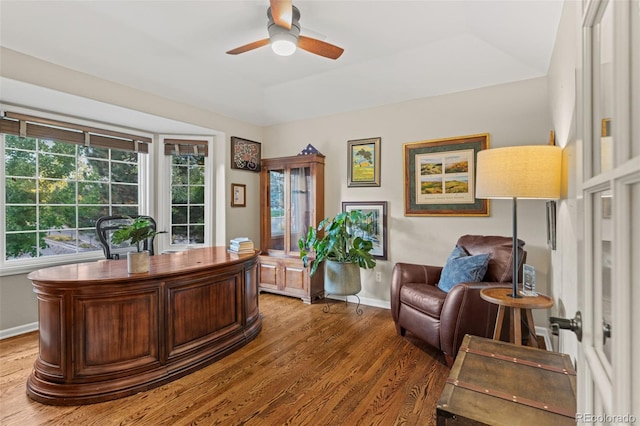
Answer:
(306, 367)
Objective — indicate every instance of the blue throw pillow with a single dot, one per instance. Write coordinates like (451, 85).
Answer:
(462, 268)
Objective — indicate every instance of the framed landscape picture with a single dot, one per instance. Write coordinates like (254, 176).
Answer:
(245, 154)
(379, 235)
(363, 162)
(439, 177)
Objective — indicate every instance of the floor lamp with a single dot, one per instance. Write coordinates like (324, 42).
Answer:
(519, 172)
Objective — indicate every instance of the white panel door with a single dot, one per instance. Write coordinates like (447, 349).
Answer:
(608, 374)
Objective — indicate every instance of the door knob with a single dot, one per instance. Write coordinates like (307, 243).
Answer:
(573, 324)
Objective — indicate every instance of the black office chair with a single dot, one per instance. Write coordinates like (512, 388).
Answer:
(107, 225)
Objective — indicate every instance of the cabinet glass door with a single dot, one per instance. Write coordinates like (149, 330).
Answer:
(276, 210)
(300, 207)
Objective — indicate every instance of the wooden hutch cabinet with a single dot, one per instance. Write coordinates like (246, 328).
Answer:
(291, 201)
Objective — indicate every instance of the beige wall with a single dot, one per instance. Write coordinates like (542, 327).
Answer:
(564, 95)
(18, 307)
(513, 114)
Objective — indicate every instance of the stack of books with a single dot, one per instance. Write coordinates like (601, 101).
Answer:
(241, 245)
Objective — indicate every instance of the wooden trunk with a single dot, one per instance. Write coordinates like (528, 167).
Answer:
(498, 383)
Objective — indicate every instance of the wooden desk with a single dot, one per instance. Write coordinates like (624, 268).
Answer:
(498, 383)
(105, 334)
(500, 296)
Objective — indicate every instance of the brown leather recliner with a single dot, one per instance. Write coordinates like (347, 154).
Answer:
(442, 319)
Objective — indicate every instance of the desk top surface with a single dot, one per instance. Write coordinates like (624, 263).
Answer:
(159, 265)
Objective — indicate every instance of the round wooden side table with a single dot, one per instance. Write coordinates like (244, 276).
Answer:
(501, 297)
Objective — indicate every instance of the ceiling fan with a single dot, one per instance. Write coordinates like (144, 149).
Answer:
(284, 34)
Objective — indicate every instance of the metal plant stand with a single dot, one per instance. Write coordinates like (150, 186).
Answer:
(326, 308)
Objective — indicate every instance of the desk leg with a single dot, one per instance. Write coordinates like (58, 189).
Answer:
(517, 327)
(497, 330)
(533, 338)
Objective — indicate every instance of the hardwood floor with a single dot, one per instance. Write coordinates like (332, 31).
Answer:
(305, 368)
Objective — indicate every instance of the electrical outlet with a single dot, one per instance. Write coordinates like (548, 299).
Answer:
(378, 277)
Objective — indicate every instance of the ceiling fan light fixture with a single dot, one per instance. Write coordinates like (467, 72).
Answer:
(284, 44)
(285, 37)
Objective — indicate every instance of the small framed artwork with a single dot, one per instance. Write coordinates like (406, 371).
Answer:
(440, 175)
(238, 195)
(379, 217)
(363, 162)
(245, 154)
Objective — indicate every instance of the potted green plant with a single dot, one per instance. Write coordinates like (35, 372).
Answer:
(136, 232)
(339, 243)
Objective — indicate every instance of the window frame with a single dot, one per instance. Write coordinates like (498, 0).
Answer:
(145, 170)
(164, 196)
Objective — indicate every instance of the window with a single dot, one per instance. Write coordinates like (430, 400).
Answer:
(187, 219)
(187, 199)
(56, 188)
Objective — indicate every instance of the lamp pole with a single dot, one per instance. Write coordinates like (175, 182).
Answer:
(514, 219)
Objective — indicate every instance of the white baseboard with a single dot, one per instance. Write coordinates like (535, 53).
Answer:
(544, 332)
(376, 303)
(21, 329)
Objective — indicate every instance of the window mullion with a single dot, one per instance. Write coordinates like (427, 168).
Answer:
(37, 179)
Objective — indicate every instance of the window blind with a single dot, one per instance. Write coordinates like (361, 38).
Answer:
(35, 127)
(186, 147)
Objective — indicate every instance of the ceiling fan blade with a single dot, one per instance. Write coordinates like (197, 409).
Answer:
(319, 47)
(248, 47)
(282, 12)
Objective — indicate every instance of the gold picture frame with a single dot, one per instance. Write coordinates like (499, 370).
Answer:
(439, 177)
(363, 162)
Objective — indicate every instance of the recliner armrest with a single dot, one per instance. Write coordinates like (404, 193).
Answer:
(413, 273)
(465, 312)
(410, 273)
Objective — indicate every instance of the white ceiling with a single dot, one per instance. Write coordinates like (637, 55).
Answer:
(394, 50)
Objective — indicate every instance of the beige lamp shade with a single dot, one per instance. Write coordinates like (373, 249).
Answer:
(519, 172)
